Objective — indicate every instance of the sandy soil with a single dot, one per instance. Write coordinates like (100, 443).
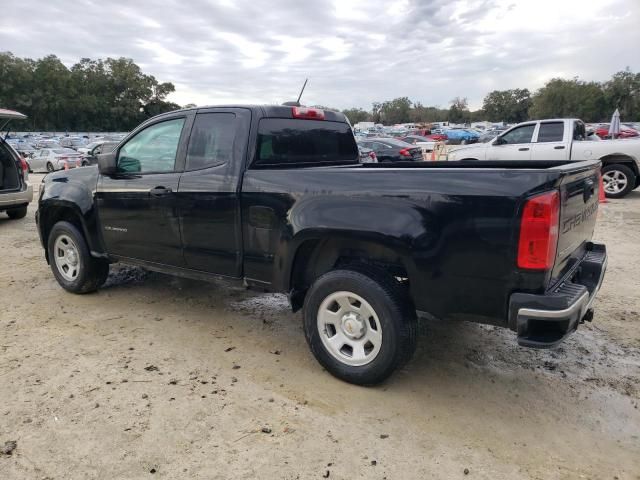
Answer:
(156, 376)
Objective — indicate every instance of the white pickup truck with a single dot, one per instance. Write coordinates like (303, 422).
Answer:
(562, 139)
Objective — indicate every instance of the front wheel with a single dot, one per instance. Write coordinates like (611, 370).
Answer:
(50, 167)
(71, 263)
(359, 324)
(618, 180)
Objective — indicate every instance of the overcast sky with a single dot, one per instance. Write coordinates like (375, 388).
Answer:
(353, 51)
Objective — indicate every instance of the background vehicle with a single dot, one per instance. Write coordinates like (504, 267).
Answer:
(392, 149)
(459, 136)
(91, 157)
(47, 143)
(563, 139)
(367, 155)
(425, 144)
(490, 135)
(275, 196)
(73, 142)
(625, 132)
(52, 159)
(15, 191)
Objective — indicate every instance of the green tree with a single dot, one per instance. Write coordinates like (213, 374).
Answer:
(392, 111)
(507, 105)
(623, 92)
(459, 110)
(357, 115)
(570, 98)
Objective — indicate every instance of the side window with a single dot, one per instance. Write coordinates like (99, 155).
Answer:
(153, 149)
(97, 150)
(519, 135)
(211, 141)
(551, 132)
(579, 131)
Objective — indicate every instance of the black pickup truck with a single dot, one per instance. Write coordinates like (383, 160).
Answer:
(275, 196)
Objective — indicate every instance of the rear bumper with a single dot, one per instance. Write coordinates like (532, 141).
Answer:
(544, 321)
(16, 199)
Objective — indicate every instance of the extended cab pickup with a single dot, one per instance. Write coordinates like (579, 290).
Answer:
(275, 196)
(563, 139)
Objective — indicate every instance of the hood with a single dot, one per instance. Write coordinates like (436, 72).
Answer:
(470, 146)
(7, 115)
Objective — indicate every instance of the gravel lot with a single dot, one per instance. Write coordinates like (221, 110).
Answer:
(156, 376)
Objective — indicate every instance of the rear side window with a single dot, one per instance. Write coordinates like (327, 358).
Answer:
(551, 132)
(283, 141)
(211, 141)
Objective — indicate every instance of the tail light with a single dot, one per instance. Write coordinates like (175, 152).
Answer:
(405, 152)
(539, 232)
(307, 113)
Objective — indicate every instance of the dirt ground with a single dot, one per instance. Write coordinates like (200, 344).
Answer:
(156, 376)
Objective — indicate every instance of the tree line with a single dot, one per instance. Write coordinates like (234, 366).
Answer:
(93, 95)
(558, 98)
(115, 95)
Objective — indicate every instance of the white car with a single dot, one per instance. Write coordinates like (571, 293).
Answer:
(52, 159)
(562, 139)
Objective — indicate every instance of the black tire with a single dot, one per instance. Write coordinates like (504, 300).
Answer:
(85, 164)
(17, 213)
(92, 272)
(623, 171)
(50, 167)
(391, 304)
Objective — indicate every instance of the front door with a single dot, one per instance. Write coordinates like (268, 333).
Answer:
(137, 207)
(513, 145)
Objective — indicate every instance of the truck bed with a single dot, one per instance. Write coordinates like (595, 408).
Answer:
(451, 226)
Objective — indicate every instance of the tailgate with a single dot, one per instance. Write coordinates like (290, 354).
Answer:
(578, 213)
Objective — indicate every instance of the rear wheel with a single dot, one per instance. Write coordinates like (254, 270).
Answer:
(17, 213)
(618, 180)
(359, 324)
(50, 167)
(71, 263)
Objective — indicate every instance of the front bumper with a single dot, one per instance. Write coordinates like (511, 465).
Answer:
(16, 199)
(544, 321)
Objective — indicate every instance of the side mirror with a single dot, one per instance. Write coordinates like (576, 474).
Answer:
(107, 163)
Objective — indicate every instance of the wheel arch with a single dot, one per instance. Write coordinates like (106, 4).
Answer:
(318, 255)
(50, 214)
(623, 159)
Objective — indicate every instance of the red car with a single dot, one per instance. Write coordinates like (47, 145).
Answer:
(603, 132)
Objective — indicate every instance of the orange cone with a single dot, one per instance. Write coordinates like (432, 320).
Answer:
(66, 165)
(602, 198)
(433, 154)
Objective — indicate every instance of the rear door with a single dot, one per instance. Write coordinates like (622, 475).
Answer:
(208, 192)
(552, 142)
(516, 144)
(578, 213)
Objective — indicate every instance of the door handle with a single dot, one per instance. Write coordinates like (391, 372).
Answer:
(160, 191)
(559, 147)
(523, 149)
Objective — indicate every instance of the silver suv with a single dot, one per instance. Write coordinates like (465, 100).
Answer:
(15, 191)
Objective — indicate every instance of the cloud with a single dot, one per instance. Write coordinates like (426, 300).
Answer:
(353, 51)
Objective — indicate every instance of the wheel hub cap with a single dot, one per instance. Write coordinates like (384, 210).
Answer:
(349, 328)
(73, 258)
(352, 325)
